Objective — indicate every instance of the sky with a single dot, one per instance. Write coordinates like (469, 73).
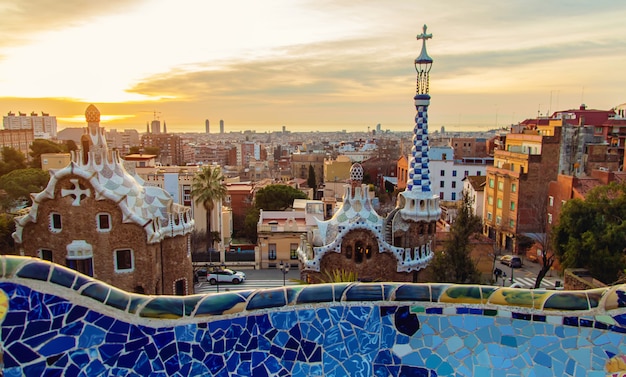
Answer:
(308, 64)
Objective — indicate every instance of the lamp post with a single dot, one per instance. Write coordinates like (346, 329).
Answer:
(217, 275)
(284, 268)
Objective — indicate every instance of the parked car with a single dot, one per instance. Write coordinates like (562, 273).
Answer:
(226, 275)
(511, 260)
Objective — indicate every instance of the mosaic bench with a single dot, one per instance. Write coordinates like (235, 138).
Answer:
(57, 322)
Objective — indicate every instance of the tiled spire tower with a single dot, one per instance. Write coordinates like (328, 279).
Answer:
(419, 202)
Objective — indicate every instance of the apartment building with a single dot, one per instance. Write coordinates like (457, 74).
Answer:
(516, 186)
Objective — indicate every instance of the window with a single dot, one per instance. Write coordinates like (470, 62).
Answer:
(513, 187)
(490, 200)
(466, 173)
(551, 201)
(441, 195)
(273, 226)
(498, 220)
(55, 222)
(293, 251)
(500, 186)
(598, 130)
(491, 183)
(511, 224)
(45, 254)
(453, 195)
(499, 205)
(123, 259)
(453, 184)
(442, 184)
(512, 167)
(187, 195)
(454, 173)
(443, 173)
(489, 216)
(549, 218)
(512, 206)
(478, 173)
(84, 266)
(104, 222)
(271, 252)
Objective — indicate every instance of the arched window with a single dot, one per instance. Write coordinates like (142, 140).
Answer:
(359, 251)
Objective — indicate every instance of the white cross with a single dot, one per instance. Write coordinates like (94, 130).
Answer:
(424, 36)
(76, 192)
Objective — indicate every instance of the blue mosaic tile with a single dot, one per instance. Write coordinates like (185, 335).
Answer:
(62, 276)
(37, 270)
(364, 292)
(270, 298)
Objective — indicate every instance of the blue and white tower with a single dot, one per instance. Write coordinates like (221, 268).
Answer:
(413, 224)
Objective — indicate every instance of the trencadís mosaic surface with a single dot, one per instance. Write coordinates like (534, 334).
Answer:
(56, 322)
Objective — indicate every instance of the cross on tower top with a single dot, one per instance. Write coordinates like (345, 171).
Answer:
(424, 36)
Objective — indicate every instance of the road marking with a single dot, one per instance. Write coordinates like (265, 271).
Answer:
(530, 282)
(205, 287)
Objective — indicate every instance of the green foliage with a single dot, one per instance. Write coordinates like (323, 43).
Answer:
(7, 227)
(152, 150)
(135, 149)
(339, 276)
(41, 146)
(19, 184)
(12, 159)
(250, 223)
(269, 198)
(312, 180)
(591, 234)
(277, 197)
(208, 188)
(70, 145)
(454, 264)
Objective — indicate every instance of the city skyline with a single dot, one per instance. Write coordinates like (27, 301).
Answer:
(307, 65)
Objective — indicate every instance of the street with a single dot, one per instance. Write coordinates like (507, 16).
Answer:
(272, 278)
(526, 275)
(255, 279)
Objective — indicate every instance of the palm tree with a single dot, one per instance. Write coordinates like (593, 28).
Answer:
(208, 188)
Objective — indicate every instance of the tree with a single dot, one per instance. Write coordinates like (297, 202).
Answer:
(41, 146)
(454, 264)
(19, 184)
(70, 146)
(269, 198)
(134, 149)
(277, 197)
(538, 208)
(12, 159)
(208, 188)
(311, 180)
(152, 150)
(7, 227)
(591, 233)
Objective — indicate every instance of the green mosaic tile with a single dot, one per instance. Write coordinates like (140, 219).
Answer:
(12, 264)
(163, 307)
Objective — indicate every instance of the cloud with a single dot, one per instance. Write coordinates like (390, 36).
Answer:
(23, 20)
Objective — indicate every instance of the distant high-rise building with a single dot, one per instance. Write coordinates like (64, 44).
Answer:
(164, 127)
(206, 126)
(156, 126)
(378, 128)
(147, 127)
(43, 126)
(221, 126)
